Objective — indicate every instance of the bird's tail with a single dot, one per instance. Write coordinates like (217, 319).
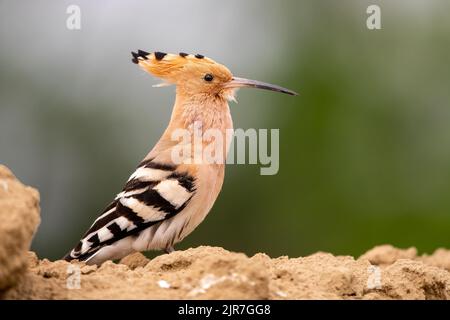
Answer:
(75, 253)
(68, 257)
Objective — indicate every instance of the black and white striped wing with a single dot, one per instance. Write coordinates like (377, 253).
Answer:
(153, 193)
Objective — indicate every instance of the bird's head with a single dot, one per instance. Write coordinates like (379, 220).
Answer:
(196, 74)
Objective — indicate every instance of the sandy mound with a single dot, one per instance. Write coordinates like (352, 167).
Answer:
(384, 272)
(19, 218)
(215, 273)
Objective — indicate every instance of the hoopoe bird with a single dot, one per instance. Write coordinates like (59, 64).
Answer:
(165, 200)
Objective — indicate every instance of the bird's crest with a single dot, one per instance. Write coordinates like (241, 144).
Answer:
(173, 68)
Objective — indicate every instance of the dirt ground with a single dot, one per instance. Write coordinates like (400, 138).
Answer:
(384, 272)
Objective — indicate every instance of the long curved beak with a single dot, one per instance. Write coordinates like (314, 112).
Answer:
(242, 82)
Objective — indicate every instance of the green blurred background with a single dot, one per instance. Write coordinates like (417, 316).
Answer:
(364, 150)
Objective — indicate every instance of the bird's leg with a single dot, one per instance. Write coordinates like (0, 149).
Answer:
(169, 249)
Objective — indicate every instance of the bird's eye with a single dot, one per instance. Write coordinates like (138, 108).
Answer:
(208, 77)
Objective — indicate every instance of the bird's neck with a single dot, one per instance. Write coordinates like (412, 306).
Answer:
(211, 112)
(197, 115)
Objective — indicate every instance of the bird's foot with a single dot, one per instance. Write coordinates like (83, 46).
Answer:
(169, 249)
